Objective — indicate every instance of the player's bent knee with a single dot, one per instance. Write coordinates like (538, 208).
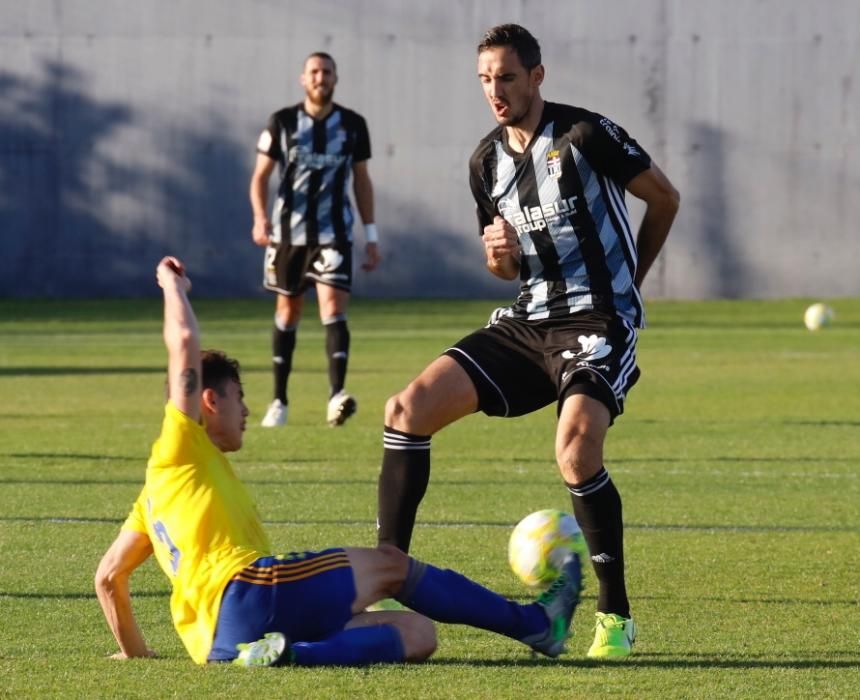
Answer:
(393, 408)
(394, 555)
(580, 435)
(578, 448)
(398, 412)
(418, 635)
(579, 462)
(394, 566)
(411, 409)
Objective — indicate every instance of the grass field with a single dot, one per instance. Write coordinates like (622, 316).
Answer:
(738, 461)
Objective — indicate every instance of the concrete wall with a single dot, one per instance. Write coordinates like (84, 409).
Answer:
(127, 131)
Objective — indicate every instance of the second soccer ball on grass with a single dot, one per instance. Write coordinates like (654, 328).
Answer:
(540, 544)
(818, 316)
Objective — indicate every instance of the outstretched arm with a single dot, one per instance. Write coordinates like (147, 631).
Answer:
(182, 338)
(662, 201)
(128, 551)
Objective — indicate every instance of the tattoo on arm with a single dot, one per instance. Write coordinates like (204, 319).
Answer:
(189, 381)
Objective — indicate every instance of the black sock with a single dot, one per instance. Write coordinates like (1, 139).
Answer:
(337, 351)
(597, 507)
(283, 344)
(402, 483)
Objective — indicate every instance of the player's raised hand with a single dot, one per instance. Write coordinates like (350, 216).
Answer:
(262, 232)
(169, 270)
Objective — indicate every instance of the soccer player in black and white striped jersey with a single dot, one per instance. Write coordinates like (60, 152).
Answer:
(549, 183)
(317, 145)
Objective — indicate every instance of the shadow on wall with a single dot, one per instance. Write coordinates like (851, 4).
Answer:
(714, 264)
(94, 192)
(207, 212)
(431, 259)
(49, 131)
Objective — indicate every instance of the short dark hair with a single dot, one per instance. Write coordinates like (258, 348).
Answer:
(323, 55)
(518, 38)
(218, 369)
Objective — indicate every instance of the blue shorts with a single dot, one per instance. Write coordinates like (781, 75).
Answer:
(307, 596)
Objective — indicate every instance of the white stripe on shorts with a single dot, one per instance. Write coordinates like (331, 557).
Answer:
(486, 376)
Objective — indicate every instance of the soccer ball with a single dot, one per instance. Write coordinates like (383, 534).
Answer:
(540, 544)
(818, 316)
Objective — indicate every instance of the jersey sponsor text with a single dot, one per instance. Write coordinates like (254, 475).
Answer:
(536, 218)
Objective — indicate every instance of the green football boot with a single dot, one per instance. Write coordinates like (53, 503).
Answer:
(272, 650)
(613, 637)
(559, 603)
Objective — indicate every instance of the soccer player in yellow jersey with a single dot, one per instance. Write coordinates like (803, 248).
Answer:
(232, 598)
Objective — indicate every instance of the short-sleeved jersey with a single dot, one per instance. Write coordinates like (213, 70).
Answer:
(565, 197)
(202, 523)
(315, 159)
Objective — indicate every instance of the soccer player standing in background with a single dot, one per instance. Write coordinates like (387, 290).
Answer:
(549, 182)
(317, 144)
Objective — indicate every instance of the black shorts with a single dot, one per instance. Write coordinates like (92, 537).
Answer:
(291, 269)
(520, 366)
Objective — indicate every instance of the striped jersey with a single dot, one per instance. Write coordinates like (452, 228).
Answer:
(202, 522)
(565, 197)
(315, 159)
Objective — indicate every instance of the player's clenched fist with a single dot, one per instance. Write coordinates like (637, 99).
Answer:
(171, 269)
(500, 240)
(262, 232)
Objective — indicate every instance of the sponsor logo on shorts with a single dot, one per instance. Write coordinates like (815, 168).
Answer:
(594, 348)
(329, 261)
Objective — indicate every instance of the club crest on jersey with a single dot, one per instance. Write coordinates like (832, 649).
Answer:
(553, 164)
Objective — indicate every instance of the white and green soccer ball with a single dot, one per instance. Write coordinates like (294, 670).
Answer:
(818, 316)
(540, 544)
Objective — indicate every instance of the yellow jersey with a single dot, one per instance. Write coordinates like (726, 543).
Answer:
(202, 523)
